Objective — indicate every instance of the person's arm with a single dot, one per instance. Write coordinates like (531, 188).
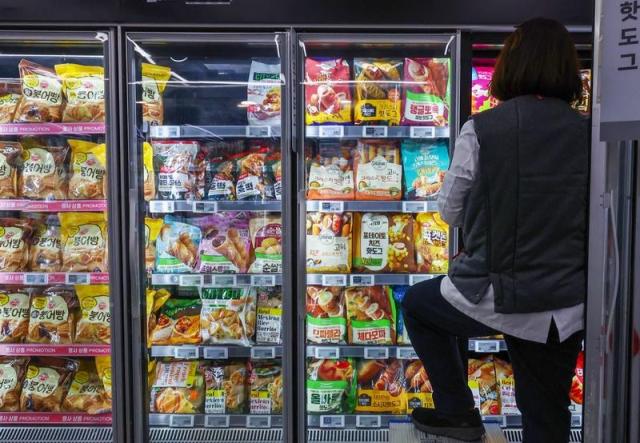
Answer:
(459, 178)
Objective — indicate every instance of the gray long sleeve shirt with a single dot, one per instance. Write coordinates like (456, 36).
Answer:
(455, 189)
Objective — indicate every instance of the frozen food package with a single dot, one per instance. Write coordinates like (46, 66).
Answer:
(371, 242)
(103, 368)
(481, 99)
(424, 163)
(45, 254)
(371, 315)
(84, 241)
(12, 371)
(14, 314)
(401, 331)
(583, 104)
(326, 91)
(506, 387)
(46, 384)
(220, 178)
(273, 175)
(152, 228)
(15, 236)
(41, 99)
(88, 170)
(178, 322)
(418, 386)
(381, 387)
(431, 243)
(331, 386)
(483, 385)
(263, 94)
(94, 325)
(174, 163)
(331, 173)
(83, 88)
(266, 238)
(265, 388)
(226, 245)
(9, 100)
(251, 168)
(426, 93)
(155, 299)
(226, 388)
(269, 315)
(228, 315)
(10, 162)
(154, 82)
(148, 172)
(326, 320)
(53, 316)
(177, 247)
(328, 246)
(178, 388)
(43, 175)
(402, 256)
(377, 94)
(86, 393)
(378, 170)
(576, 394)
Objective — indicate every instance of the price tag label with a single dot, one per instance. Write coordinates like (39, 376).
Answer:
(487, 346)
(374, 131)
(576, 421)
(216, 421)
(190, 280)
(165, 131)
(258, 131)
(332, 421)
(362, 280)
(326, 352)
(35, 278)
(328, 206)
(258, 421)
(262, 352)
(331, 131)
(263, 280)
(376, 353)
(226, 281)
(77, 279)
(181, 421)
(186, 352)
(413, 279)
(334, 280)
(368, 421)
(216, 353)
(205, 206)
(406, 354)
(413, 207)
(162, 206)
(422, 132)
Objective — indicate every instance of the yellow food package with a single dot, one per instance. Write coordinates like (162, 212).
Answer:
(8, 104)
(418, 386)
(156, 298)
(152, 227)
(88, 170)
(154, 81)
(83, 86)
(103, 367)
(86, 393)
(148, 174)
(381, 387)
(432, 245)
(41, 99)
(95, 324)
(84, 241)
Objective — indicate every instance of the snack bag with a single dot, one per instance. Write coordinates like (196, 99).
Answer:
(377, 102)
(220, 178)
(330, 386)
(425, 164)
(152, 228)
(378, 170)
(263, 94)
(398, 295)
(402, 256)
(266, 239)
(481, 100)
(14, 315)
(83, 87)
(8, 102)
(148, 173)
(331, 173)
(328, 246)
(265, 383)
(10, 160)
(250, 184)
(41, 94)
(431, 243)
(269, 315)
(506, 387)
(418, 387)
(381, 387)
(175, 166)
(371, 250)
(326, 91)
(154, 82)
(583, 105)
(43, 174)
(15, 235)
(88, 162)
(95, 324)
(576, 394)
(103, 368)
(326, 321)
(483, 385)
(177, 247)
(274, 175)
(178, 322)
(228, 315)
(46, 384)
(178, 388)
(155, 299)
(84, 241)
(45, 254)
(53, 316)
(371, 315)
(12, 370)
(86, 393)
(426, 92)
(226, 388)
(226, 245)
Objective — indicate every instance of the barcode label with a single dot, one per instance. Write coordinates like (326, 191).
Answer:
(258, 131)
(216, 421)
(327, 352)
(487, 346)
(422, 132)
(331, 131)
(374, 131)
(362, 280)
(181, 421)
(186, 352)
(263, 353)
(376, 353)
(368, 421)
(332, 421)
(216, 353)
(258, 421)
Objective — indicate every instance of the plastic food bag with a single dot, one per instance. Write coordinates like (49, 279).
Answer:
(175, 167)
(331, 173)
(326, 321)
(425, 164)
(177, 247)
(86, 393)
(377, 102)
(576, 394)
(88, 174)
(263, 94)
(401, 248)
(481, 100)
(46, 384)
(266, 239)
(371, 238)
(155, 299)
(381, 387)
(226, 388)
(418, 386)
(10, 160)
(45, 254)
(178, 322)
(371, 315)
(12, 371)
(327, 93)
(53, 316)
(83, 87)
(228, 315)
(152, 228)
(431, 242)
(94, 326)
(331, 386)
(583, 104)
(269, 315)
(43, 174)
(41, 94)
(84, 241)
(103, 367)
(14, 315)
(148, 173)
(378, 170)
(398, 295)
(8, 102)
(506, 387)
(265, 388)
(328, 242)
(427, 93)
(154, 82)
(220, 178)
(250, 184)
(15, 236)
(483, 385)
(178, 388)
(225, 245)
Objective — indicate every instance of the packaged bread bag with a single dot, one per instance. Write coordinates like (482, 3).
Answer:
(377, 91)
(431, 243)
(10, 162)
(418, 386)
(425, 164)
(371, 242)
(378, 170)
(371, 315)
(45, 254)
(228, 315)
(154, 82)
(41, 99)
(326, 321)
(15, 236)
(331, 386)
(328, 245)
(402, 257)
(331, 173)
(266, 238)
(426, 95)
(381, 387)
(175, 168)
(14, 314)
(483, 385)
(43, 175)
(178, 322)
(53, 315)
(84, 241)
(86, 393)
(88, 170)
(83, 88)
(46, 384)
(103, 368)
(327, 92)
(12, 372)
(178, 388)
(177, 247)
(152, 228)
(225, 247)
(9, 99)
(226, 387)
(506, 387)
(155, 299)
(148, 172)
(94, 325)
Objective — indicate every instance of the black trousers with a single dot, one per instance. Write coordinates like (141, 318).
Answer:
(542, 371)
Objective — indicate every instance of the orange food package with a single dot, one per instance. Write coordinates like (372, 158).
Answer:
(15, 235)
(483, 385)
(378, 170)
(418, 386)
(46, 384)
(431, 243)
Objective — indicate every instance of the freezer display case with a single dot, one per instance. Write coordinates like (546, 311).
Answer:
(57, 219)
(208, 137)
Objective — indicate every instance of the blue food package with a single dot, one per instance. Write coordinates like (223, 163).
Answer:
(177, 247)
(424, 164)
(402, 336)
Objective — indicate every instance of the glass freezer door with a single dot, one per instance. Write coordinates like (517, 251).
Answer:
(208, 136)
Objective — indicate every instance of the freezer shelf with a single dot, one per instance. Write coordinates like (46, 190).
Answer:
(367, 279)
(53, 205)
(227, 131)
(221, 352)
(338, 131)
(57, 278)
(409, 207)
(51, 128)
(215, 421)
(217, 280)
(68, 418)
(70, 350)
(200, 206)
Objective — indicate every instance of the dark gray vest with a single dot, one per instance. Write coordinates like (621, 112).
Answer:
(526, 217)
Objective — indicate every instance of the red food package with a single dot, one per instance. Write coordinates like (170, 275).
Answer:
(577, 385)
(327, 92)
(426, 92)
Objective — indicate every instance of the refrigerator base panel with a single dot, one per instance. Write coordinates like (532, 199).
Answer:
(347, 435)
(56, 434)
(406, 433)
(231, 435)
(515, 435)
